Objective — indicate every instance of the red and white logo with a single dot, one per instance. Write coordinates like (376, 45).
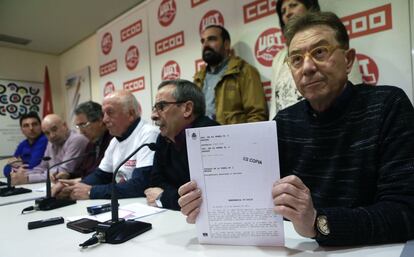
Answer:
(132, 57)
(212, 17)
(169, 43)
(368, 68)
(166, 12)
(267, 88)
(171, 70)
(135, 84)
(108, 67)
(108, 88)
(258, 9)
(199, 64)
(268, 44)
(131, 31)
(106, 43)
(369, 22)
(194, 3)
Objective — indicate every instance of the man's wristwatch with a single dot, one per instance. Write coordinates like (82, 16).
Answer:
(322, 226)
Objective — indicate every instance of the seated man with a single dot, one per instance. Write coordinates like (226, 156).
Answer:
(122, 117)
(179, 105)
(346, 154)
(30, 151)
(63, 144)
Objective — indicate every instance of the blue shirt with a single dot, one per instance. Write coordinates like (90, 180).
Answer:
(30, 154)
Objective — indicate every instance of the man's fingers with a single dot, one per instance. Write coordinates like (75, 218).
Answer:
(187, 187)
(191, 218)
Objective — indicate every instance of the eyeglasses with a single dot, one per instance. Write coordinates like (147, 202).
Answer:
(159, 107)
(318, 54)
(83, 125)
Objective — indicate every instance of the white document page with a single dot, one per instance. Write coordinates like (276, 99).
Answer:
(235, 167)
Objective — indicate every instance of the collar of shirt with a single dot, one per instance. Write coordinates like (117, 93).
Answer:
(129, 130)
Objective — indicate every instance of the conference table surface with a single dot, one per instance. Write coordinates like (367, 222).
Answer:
(170, 236)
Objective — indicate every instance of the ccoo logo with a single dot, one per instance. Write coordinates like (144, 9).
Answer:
(166, 12)
(106, 43)
(132, 57)
(268, 44)
(171, 70)
(368, 68)
(212, 17)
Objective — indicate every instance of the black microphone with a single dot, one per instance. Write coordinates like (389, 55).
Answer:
(11, 190)
(117, 230)
(49, 203)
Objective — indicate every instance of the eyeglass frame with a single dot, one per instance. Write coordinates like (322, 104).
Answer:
(331, 50)
(158, 108)
(83, 125)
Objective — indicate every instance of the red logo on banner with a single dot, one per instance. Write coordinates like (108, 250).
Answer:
(171, 70)
(166, 12)
(169, 43)
(131, 30)
(194, 3)
(106, 43)
(199, 64)
(135, 84)
(108, 67)
(368, 22)
(258, 9)
(267, 88)
(132, 57)
(368, 68)
(269, 43)
(108, 88)
(212, 17)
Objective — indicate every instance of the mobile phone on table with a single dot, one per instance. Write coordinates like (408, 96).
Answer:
(83, 225)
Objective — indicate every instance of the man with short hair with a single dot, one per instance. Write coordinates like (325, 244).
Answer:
(346, 151)
(122, 117)
(179, 105)
(29, 152)
(231, 86)
(63, 144)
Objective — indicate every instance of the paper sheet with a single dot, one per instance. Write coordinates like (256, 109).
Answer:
(235, 167)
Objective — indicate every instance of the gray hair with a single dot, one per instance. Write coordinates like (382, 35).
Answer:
(187, 91)
(311, 19)
(92, 110)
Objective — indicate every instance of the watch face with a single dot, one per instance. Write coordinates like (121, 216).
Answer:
(322, 225)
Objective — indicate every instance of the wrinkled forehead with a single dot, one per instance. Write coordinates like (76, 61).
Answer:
(312, 36)
(165, 93)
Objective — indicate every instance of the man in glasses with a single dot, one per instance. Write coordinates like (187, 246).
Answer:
(346, 151)
(122, 118)
(179, 104)
(63, 144)
(231, 86)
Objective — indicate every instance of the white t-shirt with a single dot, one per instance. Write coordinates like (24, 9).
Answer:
(118, 151)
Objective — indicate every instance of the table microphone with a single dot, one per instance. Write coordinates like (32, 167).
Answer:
(49, 203)
(11, 190)
(117, 230)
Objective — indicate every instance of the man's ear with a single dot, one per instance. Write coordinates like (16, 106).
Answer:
(227, 45)
(350, 56)
(188, 109)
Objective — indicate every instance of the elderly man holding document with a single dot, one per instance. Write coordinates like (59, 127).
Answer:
(346, 152)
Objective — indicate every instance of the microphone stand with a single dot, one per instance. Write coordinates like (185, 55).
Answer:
(117, 231)
(49, 203)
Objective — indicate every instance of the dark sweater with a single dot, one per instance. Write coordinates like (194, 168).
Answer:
(357, 159)
(170, 169)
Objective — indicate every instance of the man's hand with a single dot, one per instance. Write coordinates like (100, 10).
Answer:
(55, 176)
(14, 162)
(152, 194)
(190, 201)
(61, 189)
(79, 191)
(293, 200)
(19, 175)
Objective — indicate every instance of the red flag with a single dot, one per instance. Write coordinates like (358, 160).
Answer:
(47, 99)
